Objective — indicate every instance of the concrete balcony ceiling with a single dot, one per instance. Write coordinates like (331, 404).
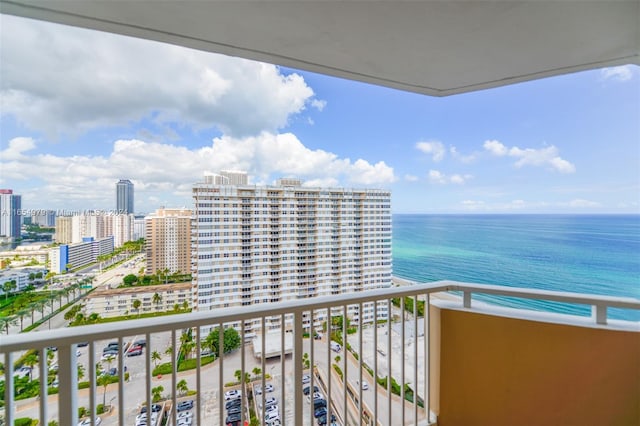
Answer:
(436, 48)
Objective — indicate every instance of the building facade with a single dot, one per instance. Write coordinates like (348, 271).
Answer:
(168, 240)
(124, 196)
(263, 244)
(78, 254)
(154, 298)
(64, 230)
(10, 214)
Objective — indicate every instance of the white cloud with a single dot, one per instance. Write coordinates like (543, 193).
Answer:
(581, 203)
(434, 148)
(80, 80)
(411, 178)
(547, 156)
(621, 73)
(318, 104)
(438, 177)
(463, 158)
(495, 148)
(167, 172)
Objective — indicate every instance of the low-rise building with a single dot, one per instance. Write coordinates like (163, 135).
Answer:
(153, 298)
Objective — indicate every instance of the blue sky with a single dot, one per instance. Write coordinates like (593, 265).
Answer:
(83, 109)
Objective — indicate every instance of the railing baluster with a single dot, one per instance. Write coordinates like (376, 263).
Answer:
(375, 363)
(329, 366)
(68, 382)
(389, 354)
(9, 402)
(402, 356)
(415, 359)
(93, 406)
(466, 299)
(221, 372)
(44, 378)
(427, 357)
(243, 386)
(297, 367)
(121, 400)
(360, 353)
(198, 409)
(345, 352)
(282, 375)
(599, 312)
(174, 374)
(311, 361)
(147, 392)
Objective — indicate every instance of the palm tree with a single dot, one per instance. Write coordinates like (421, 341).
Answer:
(136, 305)
(30, 361)
(40, 306)
(21, 314)
(104, 382)
(155, 357)
(81, 371)
(157, 393)
(109, 359)
(157, 299)
(5, 322)
(181, 387)
(256, 371)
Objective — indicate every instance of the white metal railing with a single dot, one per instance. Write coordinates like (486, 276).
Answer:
(378, 350)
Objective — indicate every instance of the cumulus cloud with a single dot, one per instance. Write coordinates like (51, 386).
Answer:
(434, 148)
(547, 156)
(621, 73)
(166, 172)
(80, 80)
(438, 177)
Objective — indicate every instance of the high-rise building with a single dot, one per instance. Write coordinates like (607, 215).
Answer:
(261, 244)
(64, 230)
(168, 240)
(124, 196)
(10, 214)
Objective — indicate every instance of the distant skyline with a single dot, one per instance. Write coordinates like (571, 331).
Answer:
(82, 109)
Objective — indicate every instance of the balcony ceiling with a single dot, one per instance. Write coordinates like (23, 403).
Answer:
(436, 48)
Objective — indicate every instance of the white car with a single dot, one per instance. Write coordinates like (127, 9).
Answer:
(87, 422)
(271, 409)
(232, 394)
(185, 415)
(365, 385)
(306, 379)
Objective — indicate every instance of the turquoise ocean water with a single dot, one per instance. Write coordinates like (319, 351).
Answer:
(597, 254)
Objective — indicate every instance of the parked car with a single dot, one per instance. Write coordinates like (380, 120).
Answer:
(232, 394)
(267, 388)
(271, 409)
(322, 411)
(154, 408)
(335, 346)
(87, 422)
(234, 410)
(134, 352)
(306, 379)
(184, 405)
(365, 385)
(233, 403)
(306, 390)
(267, 402)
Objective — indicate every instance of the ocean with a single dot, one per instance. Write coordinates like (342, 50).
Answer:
(593, 254)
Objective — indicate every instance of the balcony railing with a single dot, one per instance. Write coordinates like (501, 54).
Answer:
(352, 373)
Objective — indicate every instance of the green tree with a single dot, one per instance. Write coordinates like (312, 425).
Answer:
(130, 280)
(136, 305)
(104, 381)
(231, 340)
(256, 371)
(157, 300)
(155, 357)
(238, 374)
(30, 361)
(8, 287)
(157, 393)
(81, 371)
(21, 314)
(6, 322)
(182, 387)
